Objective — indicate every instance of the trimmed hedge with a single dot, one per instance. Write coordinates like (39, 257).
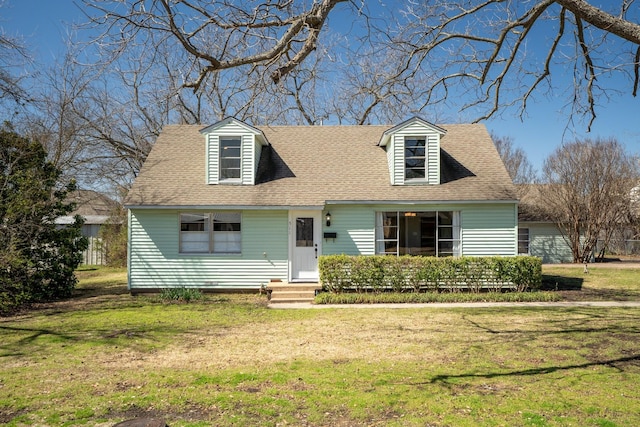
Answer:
(379, 273)
(435, 297)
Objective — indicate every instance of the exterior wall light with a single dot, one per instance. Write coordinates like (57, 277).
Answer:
(328, 218)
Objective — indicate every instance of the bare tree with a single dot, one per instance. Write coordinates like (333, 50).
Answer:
(199, 61)
(12, 55)
(444, 52)
(590, 191)
(515, 160)
(488, 60)
(99, 123)
(221, 35)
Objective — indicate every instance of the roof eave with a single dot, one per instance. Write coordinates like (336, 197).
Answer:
(386, 135)
(260, 137)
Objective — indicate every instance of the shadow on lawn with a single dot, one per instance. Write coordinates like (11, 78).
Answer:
(551, 282)
(33, 340)
(613, 363)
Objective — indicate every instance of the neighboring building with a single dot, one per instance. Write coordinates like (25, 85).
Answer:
(538, 235)
(234, 206)
(95, 208)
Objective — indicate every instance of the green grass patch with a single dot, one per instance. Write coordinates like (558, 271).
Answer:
(601, 283)
(228, 360)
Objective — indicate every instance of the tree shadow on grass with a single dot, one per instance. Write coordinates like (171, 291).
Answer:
(33, 335)
(551, 282)
(618, 363)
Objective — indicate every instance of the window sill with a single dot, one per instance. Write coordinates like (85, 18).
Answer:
(230, 181)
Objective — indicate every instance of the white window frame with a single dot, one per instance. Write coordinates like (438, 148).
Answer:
(221, 157)
(454, 226)
(415, 138)
(212, 239)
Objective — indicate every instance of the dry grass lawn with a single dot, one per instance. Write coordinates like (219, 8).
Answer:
(105, 356)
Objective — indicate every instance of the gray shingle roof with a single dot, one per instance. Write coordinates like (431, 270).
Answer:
(310, 165)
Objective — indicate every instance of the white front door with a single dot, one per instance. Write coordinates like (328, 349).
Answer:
(305, 233)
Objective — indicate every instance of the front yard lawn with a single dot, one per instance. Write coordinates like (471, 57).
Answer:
(228, 360)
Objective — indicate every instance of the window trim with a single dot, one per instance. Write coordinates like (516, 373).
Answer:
(221, 179)
(455, 227)
(211, 233)
(424, 158)
(522, 241)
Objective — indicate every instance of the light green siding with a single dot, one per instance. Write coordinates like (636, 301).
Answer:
(547, 243)
(212, 159)
(485, 229)
(355, 226)
(155, 261)
(489, 230)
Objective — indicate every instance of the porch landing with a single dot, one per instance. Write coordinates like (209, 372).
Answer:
(285, 292)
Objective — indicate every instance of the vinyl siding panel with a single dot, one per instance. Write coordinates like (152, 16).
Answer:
(489, 230)
(547, 243)
(155, 261)
(355, 226)
(247, 150)
(398, 161)
(212, 159)
(433, 158)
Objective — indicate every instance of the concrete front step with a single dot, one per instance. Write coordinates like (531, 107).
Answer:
(283, 292)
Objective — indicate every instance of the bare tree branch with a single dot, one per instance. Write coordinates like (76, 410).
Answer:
(258, 34)
(597, 17)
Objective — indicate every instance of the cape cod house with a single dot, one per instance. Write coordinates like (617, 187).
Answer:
(235, 206)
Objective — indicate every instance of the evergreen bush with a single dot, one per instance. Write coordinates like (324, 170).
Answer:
(378, 273)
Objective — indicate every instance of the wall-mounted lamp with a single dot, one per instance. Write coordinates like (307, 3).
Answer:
(328, 218)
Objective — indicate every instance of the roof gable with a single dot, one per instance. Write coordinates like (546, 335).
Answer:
(386, 135)
(232, 120)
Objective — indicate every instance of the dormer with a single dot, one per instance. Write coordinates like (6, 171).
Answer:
(233, 150)
(413, 152)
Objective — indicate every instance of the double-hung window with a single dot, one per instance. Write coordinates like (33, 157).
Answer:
(215, 233)
(415, 158)
(230, 158)
(418, 233)
(523, 241)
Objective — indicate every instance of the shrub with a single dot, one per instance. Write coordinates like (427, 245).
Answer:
(378, 273)
(181, 294)
(434, 297)
(37, 257)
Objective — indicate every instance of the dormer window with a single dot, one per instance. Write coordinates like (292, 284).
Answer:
(230, 158)
(233, 150)
(414, 158)
(413, 152)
